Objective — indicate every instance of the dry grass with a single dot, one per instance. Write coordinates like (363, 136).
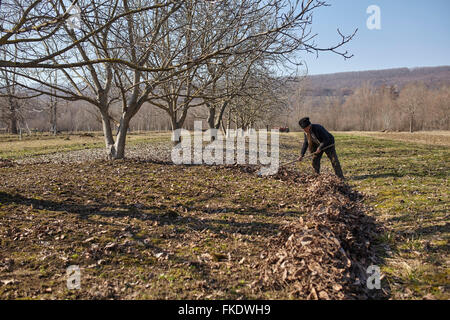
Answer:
(12, 147)
(441, 138)
(177, 232)
(157, 231)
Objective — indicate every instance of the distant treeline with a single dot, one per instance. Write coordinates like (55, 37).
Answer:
(369, 108)
(345, 83)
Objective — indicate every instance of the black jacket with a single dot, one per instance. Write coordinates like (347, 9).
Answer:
(325, 138)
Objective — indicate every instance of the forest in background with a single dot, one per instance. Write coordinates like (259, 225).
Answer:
(345, 83)
(391, 100)
(414, 107)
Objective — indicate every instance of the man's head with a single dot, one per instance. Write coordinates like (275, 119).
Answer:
(305, 124)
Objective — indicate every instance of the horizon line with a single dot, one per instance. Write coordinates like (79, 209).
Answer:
(383, 69)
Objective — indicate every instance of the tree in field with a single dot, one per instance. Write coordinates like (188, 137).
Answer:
(15, 102)
(11, 104)
(129, 52)
(226, 87)
(280, 49)
(412, 101)
(52, 103)
(226, 32)
(439, 117)
(103, 83)
(263, 102)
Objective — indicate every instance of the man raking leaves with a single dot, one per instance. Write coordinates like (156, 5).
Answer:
(318, 140)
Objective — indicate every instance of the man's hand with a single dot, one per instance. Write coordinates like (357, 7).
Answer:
(300, 158)
(317, 152)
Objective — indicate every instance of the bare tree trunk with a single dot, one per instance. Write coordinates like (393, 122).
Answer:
(224, 128)
(211, 121)
(228, 123)
(53, 127)
(121, 138)
(13, 116)
(175, 125)
(116, 150)
(220, 117)
(13, 122)
(211, 117)
(27, 127)
(107, 133)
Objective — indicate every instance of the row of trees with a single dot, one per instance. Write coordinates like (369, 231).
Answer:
(173, 55)
(411, 108)
(414, 107)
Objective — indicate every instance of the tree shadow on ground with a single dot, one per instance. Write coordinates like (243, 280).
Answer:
(421, 230)
(165, 215)
(183, 224)
(374, 176)
(433, 230)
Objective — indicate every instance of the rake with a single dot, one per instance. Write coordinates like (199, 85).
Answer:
(308, 156)
(263, 172)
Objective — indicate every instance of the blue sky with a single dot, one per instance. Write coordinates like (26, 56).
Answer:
(414, 33)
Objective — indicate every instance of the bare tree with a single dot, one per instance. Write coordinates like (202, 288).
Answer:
(15, 101)
(134, 51)
(103, 84)
(412, 98)
(26, 24)
(265, 32)
(11, 107)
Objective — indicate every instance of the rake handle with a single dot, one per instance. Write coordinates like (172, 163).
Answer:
(309, 155)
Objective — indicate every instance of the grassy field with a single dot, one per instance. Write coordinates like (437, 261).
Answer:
(407, 185)
(151, 230)
(423, 137)
(11, 147)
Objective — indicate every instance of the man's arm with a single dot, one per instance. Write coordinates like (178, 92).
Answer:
(324, 136)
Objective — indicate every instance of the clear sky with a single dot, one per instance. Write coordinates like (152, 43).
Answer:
(414, 33)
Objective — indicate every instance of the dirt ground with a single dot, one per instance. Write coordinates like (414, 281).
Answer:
(145, 229)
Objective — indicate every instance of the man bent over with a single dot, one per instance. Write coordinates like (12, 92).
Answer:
(317, 139)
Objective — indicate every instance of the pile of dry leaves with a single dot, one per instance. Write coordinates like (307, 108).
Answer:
(6, 163)
(325, 254)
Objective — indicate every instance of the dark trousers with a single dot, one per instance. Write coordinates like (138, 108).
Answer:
(332, 155)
